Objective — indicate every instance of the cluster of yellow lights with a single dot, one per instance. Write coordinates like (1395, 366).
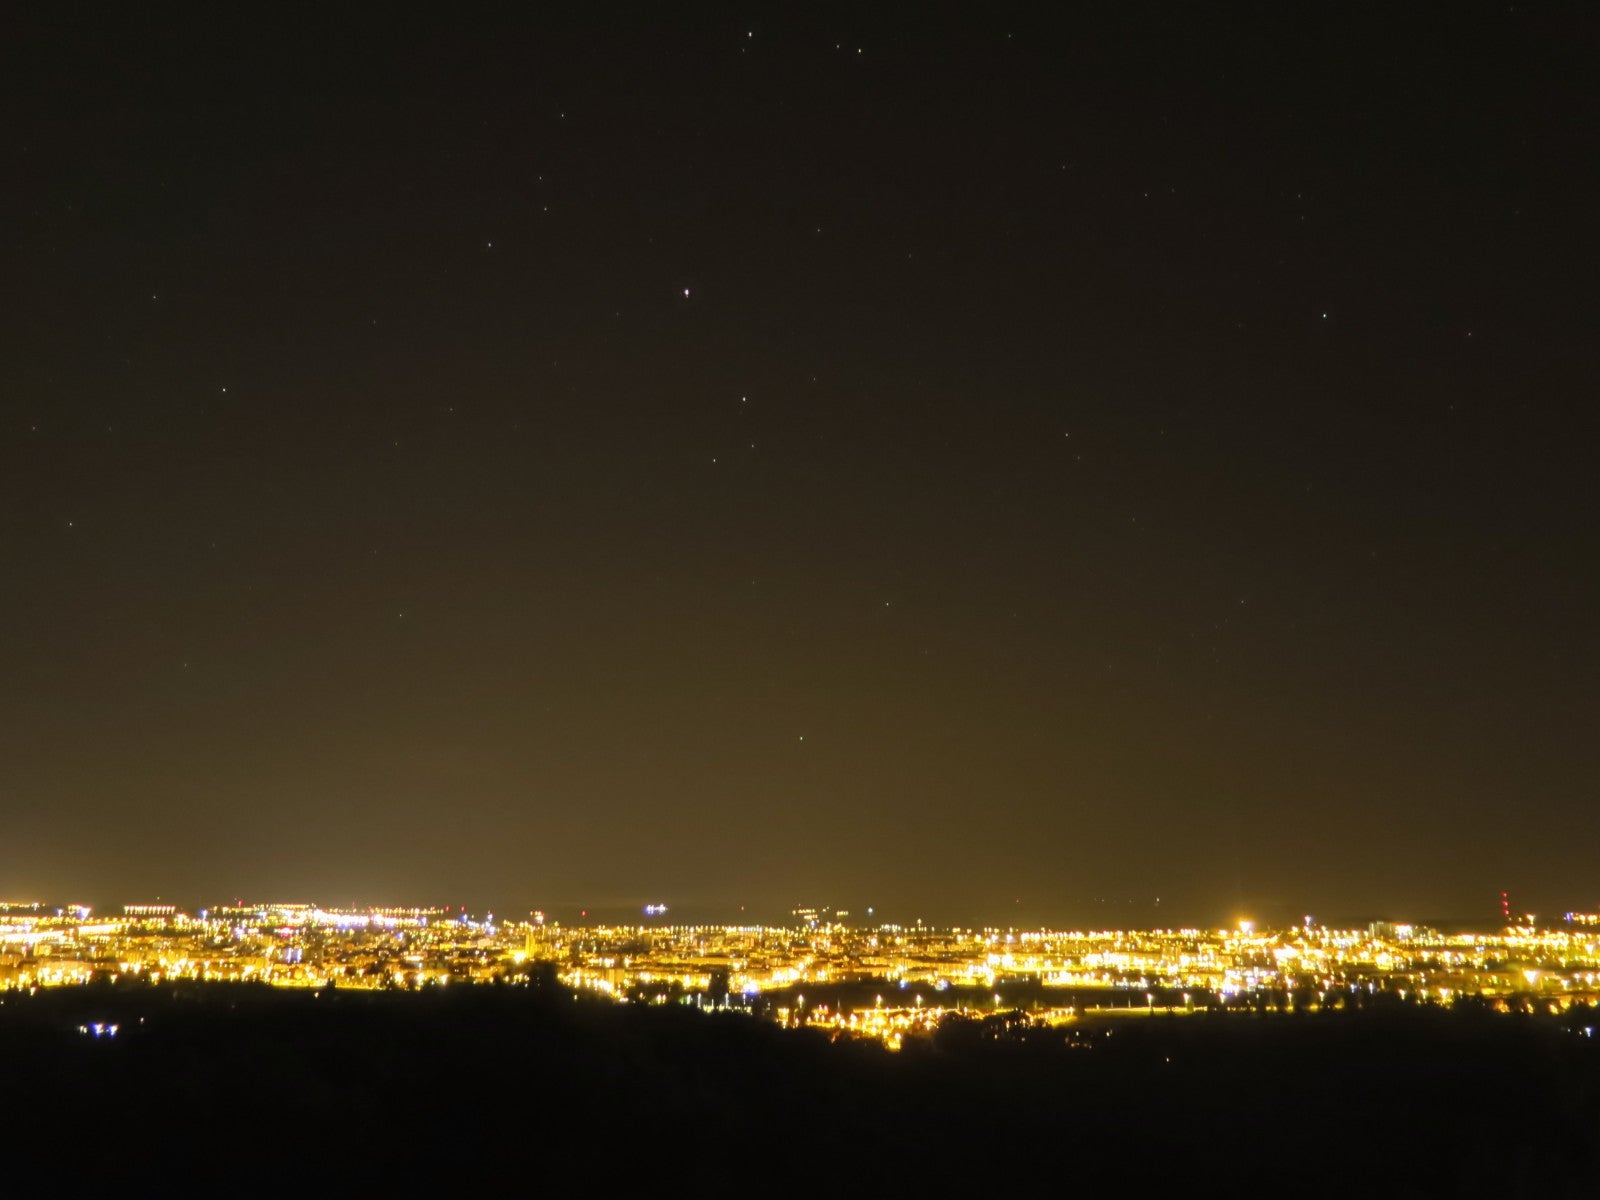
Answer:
(926, 973)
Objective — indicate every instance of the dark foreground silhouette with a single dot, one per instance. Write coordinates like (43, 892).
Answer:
(233, 1089)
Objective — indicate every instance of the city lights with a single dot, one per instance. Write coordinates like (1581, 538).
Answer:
(819, 972)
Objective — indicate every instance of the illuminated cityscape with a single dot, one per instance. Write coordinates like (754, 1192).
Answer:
(882, 982)
(1095, 483)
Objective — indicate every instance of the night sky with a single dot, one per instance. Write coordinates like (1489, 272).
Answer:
(986, 469)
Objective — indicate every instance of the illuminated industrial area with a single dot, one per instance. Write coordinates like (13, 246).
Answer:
(819, 970)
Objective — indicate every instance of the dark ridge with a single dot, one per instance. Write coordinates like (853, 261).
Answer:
(242, 1086)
